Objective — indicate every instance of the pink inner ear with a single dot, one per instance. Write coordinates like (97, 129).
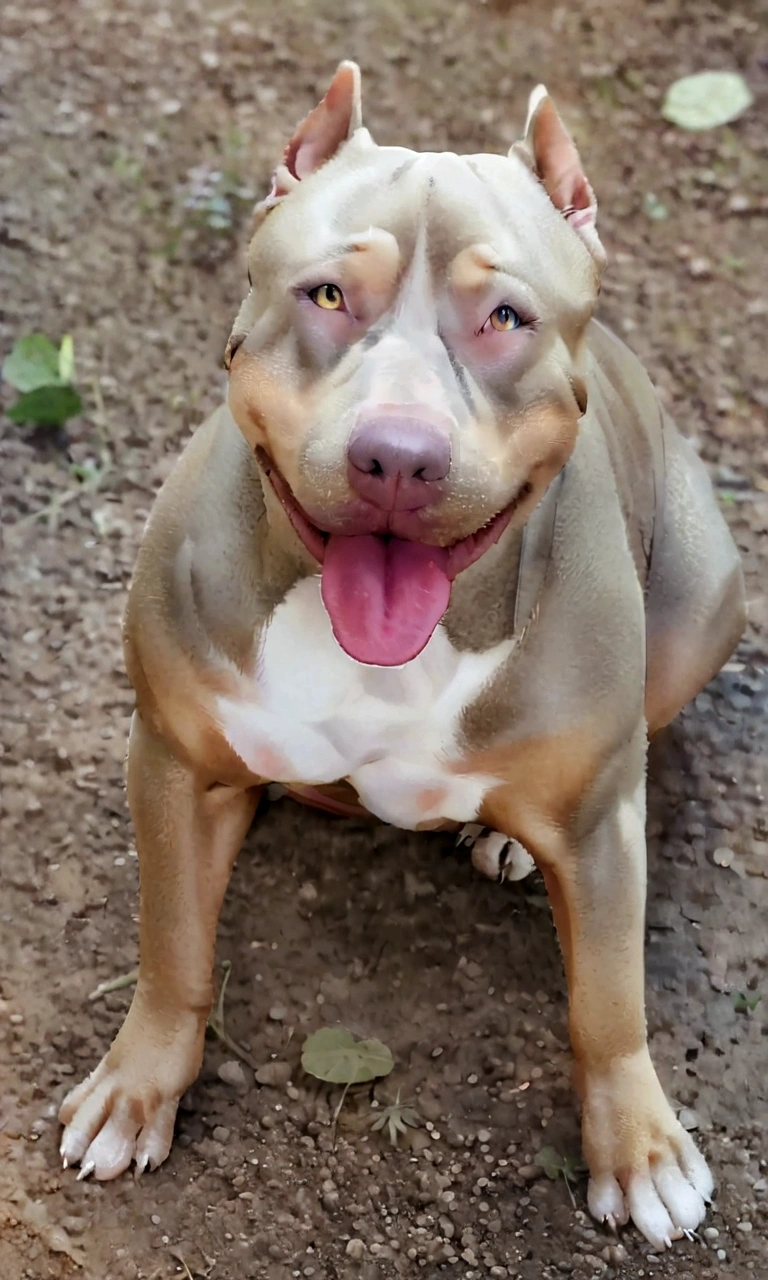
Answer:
(581, 209)
(304, 155)
(320, 135)
(559, 167)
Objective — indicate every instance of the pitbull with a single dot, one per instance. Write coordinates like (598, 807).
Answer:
(442, 558)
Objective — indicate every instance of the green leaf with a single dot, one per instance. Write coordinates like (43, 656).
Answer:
(334, 1055)
(48, 406)
(556, 1166)
(67, 358)
(33, 363)
(654, 208)
(707, 99)
(745, 1004)
(549, 1160)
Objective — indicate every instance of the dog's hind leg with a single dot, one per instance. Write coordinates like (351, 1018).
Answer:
(695, 611)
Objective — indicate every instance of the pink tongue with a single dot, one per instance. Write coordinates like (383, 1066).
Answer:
(384, 596)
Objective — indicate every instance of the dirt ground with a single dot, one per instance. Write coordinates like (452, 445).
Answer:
(133, 139)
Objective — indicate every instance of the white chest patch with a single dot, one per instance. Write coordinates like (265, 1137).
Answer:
(310, 714)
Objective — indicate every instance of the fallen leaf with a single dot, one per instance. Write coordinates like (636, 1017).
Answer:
(707, 99)
(334, 1055)
(46, 406)
(33, 363)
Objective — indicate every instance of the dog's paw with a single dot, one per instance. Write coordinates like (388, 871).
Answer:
(643, 1165)
(494, 855)
(125, 1110)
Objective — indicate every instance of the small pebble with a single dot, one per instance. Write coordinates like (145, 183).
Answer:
(484, 1135)
(221, 1133)
(689, 1119)
(355, 1249)
(745, 1226)
(277, 1013)
(232, 1073)
(723, 857)
(275, 1074)
(700, 268)
(711, 1233)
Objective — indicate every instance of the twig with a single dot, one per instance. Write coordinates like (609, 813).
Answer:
(568, 1188)
(217, 1026)
(215, 1021)
(115, 984)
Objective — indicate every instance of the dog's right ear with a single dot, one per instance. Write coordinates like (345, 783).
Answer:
(550, 152)
(319, 135)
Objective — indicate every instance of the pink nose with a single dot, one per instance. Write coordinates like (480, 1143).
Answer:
(397, 463)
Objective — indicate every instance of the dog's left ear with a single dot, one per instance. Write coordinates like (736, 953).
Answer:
(551, 152)
(321, 133)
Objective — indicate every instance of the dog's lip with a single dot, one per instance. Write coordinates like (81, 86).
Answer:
(461, 554)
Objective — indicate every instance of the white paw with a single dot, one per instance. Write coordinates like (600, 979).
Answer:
(125, 1109)
(494, 855)
(665, 1200)
(644, 1165)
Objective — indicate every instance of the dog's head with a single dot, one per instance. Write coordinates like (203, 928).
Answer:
(408, 363)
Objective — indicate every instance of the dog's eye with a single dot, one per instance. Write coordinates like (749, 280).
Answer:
(505, 318)
(327, 296)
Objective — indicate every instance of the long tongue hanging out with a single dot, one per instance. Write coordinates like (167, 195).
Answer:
(384, 596)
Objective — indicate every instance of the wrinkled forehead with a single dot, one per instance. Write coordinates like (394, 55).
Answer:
(439, 205)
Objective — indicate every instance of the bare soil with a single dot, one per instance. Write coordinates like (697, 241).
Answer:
(105, 109)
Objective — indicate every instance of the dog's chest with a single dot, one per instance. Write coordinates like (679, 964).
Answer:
(310, 714)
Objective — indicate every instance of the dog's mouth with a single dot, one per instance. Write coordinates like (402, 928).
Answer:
(384, 595)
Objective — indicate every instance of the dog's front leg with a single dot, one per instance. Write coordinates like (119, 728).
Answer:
(187, 836)
(642, 1163)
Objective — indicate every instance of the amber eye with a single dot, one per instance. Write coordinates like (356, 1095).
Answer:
(505, 318)
(327, 296)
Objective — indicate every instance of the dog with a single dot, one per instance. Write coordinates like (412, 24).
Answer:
(443, 558)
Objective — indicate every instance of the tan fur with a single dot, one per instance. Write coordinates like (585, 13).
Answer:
(614, 594)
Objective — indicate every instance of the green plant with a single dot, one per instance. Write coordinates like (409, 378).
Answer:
(334, 1055)
(556, 1166)
(396, 1118)
(743, 1003)
(43, 374)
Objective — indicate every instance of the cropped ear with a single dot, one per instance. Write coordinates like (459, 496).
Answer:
(550, 151)
(320, 134)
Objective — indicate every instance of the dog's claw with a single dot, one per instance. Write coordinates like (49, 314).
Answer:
(469, 834)
(141, 1163)
(64, 1162)
(86, 1170)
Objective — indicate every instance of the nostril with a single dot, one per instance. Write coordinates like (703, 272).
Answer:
(387, 448)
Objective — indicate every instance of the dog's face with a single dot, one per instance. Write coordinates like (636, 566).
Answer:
(408, 364)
